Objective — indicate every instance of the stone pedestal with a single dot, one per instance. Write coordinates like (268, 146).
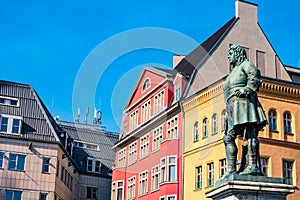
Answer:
(239, 187)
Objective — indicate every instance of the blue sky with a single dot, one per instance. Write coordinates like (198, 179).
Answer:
(45, 43)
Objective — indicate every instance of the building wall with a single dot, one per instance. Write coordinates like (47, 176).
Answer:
(31, 181)
(274, 145)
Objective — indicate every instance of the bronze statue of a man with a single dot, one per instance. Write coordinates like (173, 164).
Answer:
(244, 114)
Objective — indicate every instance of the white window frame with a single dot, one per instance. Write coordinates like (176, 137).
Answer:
(147, 80)
(196, 132)
(198, 174)
(17, 161)
(94, 166)
(49, 164)
(97, 192)
(85, 145)
(157, 138)
(171, 195)
(132, 154)
(10, 123)
(146, 111)
(2, 158)
(120, 187)
(214, 123)
(122, 158)
(155, 174)
(169, 166)
(163, 170)
(159, 102)
(222, 167)
(210, 174)
(144, 146)
(134, 119)
(7, 101)
(131, 185)
(172, 128)
(144, 176)
(177, 92)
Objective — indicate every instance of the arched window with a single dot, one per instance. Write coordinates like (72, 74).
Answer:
(196, 132)
(223, 119)
(146, 84)
(272, 120)
(205, 127)
(214, 123)
(287, 122)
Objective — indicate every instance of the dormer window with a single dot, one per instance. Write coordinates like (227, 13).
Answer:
(9, 101)
(10, 124)
(146, 84)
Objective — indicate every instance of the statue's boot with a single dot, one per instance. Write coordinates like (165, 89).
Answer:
(253, 156)
(231, 155)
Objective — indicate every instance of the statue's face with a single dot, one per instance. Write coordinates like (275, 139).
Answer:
(231, 56)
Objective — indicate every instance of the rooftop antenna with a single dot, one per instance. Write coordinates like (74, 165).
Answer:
(77, 119)
(86, 115)
(97, 117)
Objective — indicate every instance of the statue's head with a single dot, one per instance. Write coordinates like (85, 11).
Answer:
(236, 54)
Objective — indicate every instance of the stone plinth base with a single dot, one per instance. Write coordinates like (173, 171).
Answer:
(237, 187)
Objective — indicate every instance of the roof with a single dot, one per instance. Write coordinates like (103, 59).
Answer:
(189, 63)
(37, 122)
(95, 135)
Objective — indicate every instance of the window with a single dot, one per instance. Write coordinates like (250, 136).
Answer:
(287, 167)
(133, 120)
(287, 122)
(222, 167)
(120, 186)
(10, 124)
(122, 158)
(205, 127)
(66, 178)
(157, 138)
(146, 111)
(1, 159)
(272, 120)
(46, 165)
(13, 195)
(85, 145)
(260, 61)
(223, 119)
(196, 132)
(155, 177)
(113, 191)
(146, 84)
(163, 170)
(43, 196)
(159, 102)
(131, 188)
(132, 154)
(57, 168)
(171, 197)
(172, 125)
(144, 146)
(210, 174)
(264, 165)
(177, 92)
(9, 101)
(92, 193)
(198, 181)
(215, 124)
(143, 183)
(172, 169)
(16, 162)
(93, 165)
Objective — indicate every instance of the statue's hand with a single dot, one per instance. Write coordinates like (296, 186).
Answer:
(240, 93)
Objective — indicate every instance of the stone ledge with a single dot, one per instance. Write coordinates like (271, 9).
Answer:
(251, 187)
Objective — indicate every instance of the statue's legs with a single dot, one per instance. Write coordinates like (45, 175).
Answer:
(253, 154)
(231, 152)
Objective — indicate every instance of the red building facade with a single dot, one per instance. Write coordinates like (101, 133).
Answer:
(148, 161)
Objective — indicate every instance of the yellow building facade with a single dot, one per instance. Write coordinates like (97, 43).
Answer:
(204, 107)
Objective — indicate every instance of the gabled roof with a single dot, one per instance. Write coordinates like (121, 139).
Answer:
(95, 135)
(37, 122)
(189, 63)
(159, 71)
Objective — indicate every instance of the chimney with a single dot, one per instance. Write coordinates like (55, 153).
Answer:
(246, 11)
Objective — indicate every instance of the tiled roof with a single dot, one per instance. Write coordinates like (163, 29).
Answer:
(189, 63)
(95, 135)
(37, 122)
